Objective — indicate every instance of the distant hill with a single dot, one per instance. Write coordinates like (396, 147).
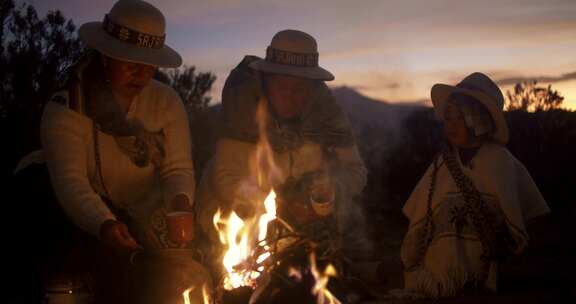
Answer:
(364, 110)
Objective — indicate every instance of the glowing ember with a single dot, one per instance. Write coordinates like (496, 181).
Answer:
(295, 273)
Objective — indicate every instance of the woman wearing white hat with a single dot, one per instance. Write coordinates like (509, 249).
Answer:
(117, 143)
(318, 168)
(471, 207)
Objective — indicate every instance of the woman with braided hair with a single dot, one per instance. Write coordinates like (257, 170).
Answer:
(470, 208)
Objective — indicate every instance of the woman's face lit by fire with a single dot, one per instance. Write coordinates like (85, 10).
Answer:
(127, 79)
(288, 94)
(455, 128)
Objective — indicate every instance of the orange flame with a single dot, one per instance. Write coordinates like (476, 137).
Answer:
(186, 295)
(240, 237)
(323, 295)
(235, 236)
(237, 242)
(205, 294)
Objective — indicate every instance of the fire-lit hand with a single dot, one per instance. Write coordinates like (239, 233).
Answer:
(115, 235)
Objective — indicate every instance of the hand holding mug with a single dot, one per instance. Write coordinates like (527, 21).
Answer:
(180, 221)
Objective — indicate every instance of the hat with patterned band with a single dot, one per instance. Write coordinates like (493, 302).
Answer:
(293, 53)
(132, 31)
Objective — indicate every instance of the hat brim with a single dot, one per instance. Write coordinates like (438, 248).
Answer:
(95, 37)
(440, 95)
(316, 73)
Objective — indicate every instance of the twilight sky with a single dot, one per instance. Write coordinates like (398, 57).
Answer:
(392, 50)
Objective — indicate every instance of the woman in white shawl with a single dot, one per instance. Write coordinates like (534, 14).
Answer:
(470, 208)
(118, 149)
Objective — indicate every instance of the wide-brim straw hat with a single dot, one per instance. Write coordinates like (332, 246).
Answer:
(481, 88)
(293, 53)
(132, 31)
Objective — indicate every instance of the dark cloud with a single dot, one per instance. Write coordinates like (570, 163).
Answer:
(351, 87)
(550, 79)
(383, 85)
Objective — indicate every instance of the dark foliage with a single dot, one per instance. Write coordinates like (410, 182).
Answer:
(34, 51)
(193, 87)
(528, 96)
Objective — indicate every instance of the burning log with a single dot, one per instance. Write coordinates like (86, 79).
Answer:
(259, 254)
(297, 275)
(281, 268)
(295, 278)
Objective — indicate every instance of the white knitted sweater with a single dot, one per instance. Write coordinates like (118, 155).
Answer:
(68, 145)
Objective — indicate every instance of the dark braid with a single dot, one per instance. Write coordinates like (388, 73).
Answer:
(427, 233)
(475, 207)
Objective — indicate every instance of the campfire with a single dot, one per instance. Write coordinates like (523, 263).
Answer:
(243, 262)
(268, 246)
(261, 249)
